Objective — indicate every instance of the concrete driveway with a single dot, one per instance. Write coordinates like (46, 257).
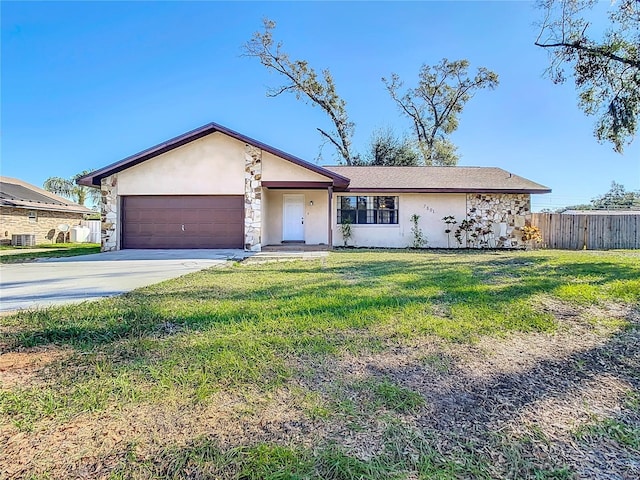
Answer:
(58, 281)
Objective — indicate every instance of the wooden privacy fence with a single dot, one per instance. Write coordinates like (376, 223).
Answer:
(593, 232)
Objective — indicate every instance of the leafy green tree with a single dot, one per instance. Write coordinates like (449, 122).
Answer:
(70, 189)
(605, 67)
(306, 84)
(386, 149)
(580, 206)
(436, 103)
(617, 197)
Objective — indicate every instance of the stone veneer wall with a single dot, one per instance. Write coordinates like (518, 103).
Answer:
(252, 198)
(109, 209)
(15, 221)
(502, 215)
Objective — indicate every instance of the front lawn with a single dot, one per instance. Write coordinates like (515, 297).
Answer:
(365, 364)
(53, 250)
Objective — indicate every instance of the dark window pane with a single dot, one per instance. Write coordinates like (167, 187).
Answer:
(388, 202)
(347, 215)
(371, 216)
(368, 210)
(347, 203)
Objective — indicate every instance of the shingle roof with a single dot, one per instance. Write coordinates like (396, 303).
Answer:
(18, 194)
(436, 179)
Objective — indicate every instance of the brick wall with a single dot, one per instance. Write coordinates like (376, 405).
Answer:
(15, 221)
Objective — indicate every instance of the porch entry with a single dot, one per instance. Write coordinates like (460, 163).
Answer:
(293, 218)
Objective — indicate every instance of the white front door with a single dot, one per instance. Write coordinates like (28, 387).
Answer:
(293, 218)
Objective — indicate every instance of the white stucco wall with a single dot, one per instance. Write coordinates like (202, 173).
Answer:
(316, 216)
(277, 169)
(265, 217)
(212, 165)
(430, 207)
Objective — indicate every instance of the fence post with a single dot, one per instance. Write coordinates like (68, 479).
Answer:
(585, 245)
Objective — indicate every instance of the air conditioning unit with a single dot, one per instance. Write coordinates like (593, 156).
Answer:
(23, 240)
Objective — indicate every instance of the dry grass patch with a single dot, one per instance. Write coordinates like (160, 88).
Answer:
(29, 366)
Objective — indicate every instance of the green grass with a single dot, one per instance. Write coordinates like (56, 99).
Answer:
(204, 458)
(611, 428)
(55, 250)
(404, 452)
(438, 362)
(238, 326)
(395, 397)
(42, 245)
(376, 393)
(254, 329)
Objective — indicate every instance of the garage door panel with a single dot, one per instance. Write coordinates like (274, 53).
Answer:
(161, 229)
(188, 202)
(173, 228)
(226, 217)
(213, 221)
(205, 216)
(146, 229)
(142, 202)
(135, 215)
(200, 230)
(133, 202)
(208, 229)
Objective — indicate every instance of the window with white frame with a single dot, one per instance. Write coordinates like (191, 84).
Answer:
(369, 210)
(33, 216)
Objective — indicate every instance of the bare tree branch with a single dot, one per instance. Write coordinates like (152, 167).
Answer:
(601, 51)
(303, 81)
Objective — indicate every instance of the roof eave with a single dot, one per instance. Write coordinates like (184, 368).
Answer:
(47, 208)
(449, 190)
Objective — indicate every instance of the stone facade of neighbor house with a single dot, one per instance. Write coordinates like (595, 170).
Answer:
(497, 219)
(109, 209)
(252, 198)
(41, 223)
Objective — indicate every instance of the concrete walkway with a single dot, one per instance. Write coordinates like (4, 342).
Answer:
(284, 256)
(56, 281)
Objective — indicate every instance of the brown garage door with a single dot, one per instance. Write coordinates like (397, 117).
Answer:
(190, 221)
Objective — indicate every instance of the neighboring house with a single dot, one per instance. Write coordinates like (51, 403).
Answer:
(216, 188)
(617, 211)
(28, 210)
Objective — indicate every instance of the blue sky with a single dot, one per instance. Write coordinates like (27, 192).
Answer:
(85, 84)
